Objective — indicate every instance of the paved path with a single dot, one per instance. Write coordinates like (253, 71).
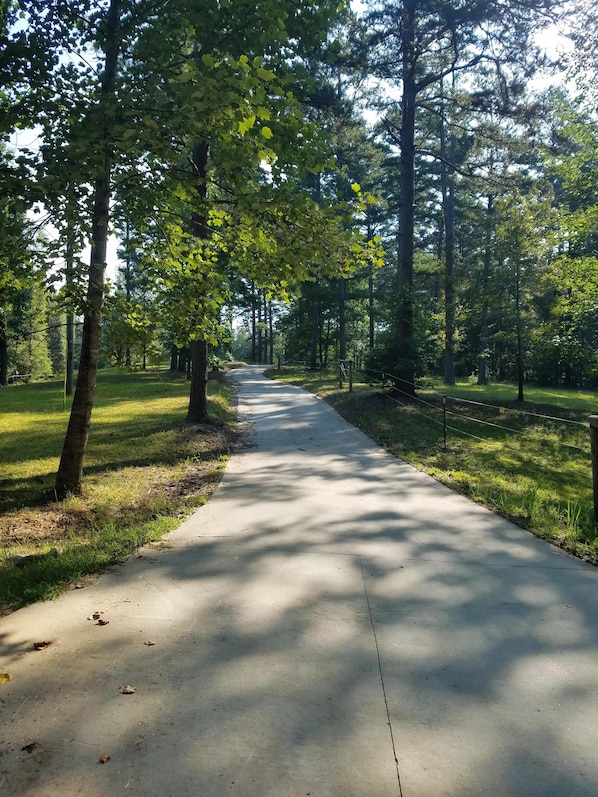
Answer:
(333, 623)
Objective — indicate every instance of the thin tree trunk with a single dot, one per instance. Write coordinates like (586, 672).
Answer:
(70, 469)
(448, 210)
(485, 330)
(3, 352)
(260, 329)
(519, 363)
(253, 326)
(404, 313)
(128, 292)
(198, 394)
(271, 332)
(198, 399)
(266, 329)
(342, 320)
(69, 378)
(371, 318)
(324, 344)
(174, 355)
(315, 328)
(183, 356)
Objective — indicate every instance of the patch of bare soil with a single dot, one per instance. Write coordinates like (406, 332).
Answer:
(198, 473)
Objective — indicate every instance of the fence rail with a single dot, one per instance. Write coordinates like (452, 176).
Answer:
(389, 387)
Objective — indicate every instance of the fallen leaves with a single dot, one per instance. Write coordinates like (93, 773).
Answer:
(42, 645)
(149, 642)
(98, 617)
(104, 759)
(4, 677)
(127, 689)
(31, 747)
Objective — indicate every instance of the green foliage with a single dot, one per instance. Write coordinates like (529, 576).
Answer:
(28, 351)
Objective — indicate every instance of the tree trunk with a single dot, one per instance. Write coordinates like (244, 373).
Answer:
(198, 397)
(253, 326)
(271, 332)
(69, 377)
(448, 210)
(371, 317)
(174, 356)
(70, 469)
(260, 329)
(342, 320)
(183, 357)
(518, 321)
(198, 393)
(485, 330)
(315, 328)
(404, 313)
(3, 352)
(70, 354)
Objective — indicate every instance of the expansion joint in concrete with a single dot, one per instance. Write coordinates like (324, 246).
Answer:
(380, 672)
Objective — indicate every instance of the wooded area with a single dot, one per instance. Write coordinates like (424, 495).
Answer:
(408, 182)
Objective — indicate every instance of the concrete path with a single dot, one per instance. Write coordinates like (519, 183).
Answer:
(332, 624)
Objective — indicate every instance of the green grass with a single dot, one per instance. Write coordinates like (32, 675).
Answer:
(534, 471)
(145, 470)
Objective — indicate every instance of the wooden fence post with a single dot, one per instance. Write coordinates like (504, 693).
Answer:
(594, 443)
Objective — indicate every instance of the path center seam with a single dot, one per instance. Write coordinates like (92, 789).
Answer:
(392, 739)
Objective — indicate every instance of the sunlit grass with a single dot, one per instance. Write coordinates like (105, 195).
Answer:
(144, 471)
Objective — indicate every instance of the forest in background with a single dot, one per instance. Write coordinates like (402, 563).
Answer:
(412, 184)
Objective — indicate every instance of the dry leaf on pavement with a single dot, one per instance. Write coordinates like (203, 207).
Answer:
(127, 689)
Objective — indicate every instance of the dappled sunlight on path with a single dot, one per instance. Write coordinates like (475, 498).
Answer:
(332, 623)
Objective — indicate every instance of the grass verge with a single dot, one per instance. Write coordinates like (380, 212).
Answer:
(534, 471)
(145, 471)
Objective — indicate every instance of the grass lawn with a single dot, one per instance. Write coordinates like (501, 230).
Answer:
(533, 470)
(145, 470)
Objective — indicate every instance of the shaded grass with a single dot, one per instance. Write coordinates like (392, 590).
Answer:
(533, 471)
(145, 470)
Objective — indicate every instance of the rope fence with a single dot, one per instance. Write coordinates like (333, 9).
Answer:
(390, 387)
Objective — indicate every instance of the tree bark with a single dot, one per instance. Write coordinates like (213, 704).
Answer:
(70, 469)
(518, 321)
(315, 327)
(448, 210)
(404, 313)
(342, 320)
(485, 330)
(253, 328)
(198, 397)
(3, 352)
(128, 292)
(69, 377)
(183, 356)
(198, 393)
(271, 333)
(371, 316)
